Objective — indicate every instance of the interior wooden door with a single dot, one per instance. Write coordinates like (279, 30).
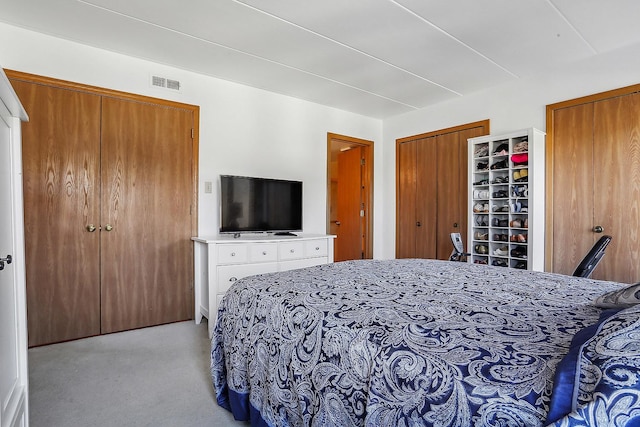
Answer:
(146, 258)
(406, 200)
(61, 153)
(616, 182)
(431, 190)
(349, 238)
(426, 198)
(573, 186)
(447, 180)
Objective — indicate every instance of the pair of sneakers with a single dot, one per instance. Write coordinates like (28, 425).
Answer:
(481, 207)
(521, 175)
(501, 251)
(480, 194)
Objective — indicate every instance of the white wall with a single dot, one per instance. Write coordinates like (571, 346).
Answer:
(243, 131)
(248, 131)
(518, 105)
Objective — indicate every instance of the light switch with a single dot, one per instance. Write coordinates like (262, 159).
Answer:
(208, 187)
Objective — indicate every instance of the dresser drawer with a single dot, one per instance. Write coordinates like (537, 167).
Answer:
(229, 274)
(314, 248)
(291, 250)
(302, 263)
(263, 252)
(233, 254)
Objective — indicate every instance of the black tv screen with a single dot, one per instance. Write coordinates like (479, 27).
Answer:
(250, 204)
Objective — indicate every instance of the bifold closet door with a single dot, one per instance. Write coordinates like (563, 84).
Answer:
(416, 198)
(596, 183)
(406, 200)
(447, 180)
(616, 172)
(573, 177)
(61, 172)
(146, 258)
(427, 198)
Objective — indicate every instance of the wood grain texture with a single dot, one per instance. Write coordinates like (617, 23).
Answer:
(426, 198)
(335, 143)
(147, 259)
(349, 240)
(447, 180)
(406, 199)
(616, 171)
(435, 175)
(61, 144)
(573, 179)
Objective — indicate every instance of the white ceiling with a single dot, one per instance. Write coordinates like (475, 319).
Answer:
(378, 58)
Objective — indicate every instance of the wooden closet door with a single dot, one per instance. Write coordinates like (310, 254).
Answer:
(616, 172)
(447, 180)
(573, 180)
(406, 200)
(426, 198)
(147, 258)
(61, 152)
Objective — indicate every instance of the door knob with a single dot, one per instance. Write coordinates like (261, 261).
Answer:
(337, 222)
(7, 259)
(91, 228)
(108, 227)
(455, 225)
(598, 229)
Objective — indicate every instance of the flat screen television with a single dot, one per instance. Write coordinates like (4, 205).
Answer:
(251, 205)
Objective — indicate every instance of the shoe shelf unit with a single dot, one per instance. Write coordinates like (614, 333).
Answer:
(506, 200)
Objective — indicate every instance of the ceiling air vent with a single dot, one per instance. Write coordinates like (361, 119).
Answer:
(164, 82)
(158, 81)
(173, 84)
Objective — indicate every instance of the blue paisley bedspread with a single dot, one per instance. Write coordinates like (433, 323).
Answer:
(398, 343)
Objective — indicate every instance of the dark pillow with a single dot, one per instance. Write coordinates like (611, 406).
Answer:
(625, 297)
(598, 382)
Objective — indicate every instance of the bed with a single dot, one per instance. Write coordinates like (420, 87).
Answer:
(425, 343)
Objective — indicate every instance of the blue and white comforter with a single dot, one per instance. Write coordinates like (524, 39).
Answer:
(397, 343)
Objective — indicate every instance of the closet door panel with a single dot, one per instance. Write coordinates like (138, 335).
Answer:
(448, 190)
(406, 197)
(426, 198)
(147, 184)
(573, 176)
(616, 172)
(61, 144)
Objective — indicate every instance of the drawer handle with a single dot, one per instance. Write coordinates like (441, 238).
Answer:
(292, 250)
(317, 248)
(233, 279)
(233, 254)
(264, 252)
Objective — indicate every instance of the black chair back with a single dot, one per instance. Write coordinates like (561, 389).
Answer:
(590, 262)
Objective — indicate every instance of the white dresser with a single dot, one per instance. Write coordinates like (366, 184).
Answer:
(221, 260)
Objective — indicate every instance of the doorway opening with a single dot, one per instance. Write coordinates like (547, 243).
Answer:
(350, 196)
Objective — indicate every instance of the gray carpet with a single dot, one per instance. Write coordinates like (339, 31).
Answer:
(155, 376)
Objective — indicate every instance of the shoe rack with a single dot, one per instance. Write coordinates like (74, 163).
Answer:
(506, 200)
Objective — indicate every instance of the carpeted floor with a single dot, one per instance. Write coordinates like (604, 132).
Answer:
(155, 376)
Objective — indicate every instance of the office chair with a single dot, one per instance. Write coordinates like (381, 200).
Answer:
(458, 253)
(590, 262)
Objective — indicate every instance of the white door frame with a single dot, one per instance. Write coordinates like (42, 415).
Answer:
(14, 388)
